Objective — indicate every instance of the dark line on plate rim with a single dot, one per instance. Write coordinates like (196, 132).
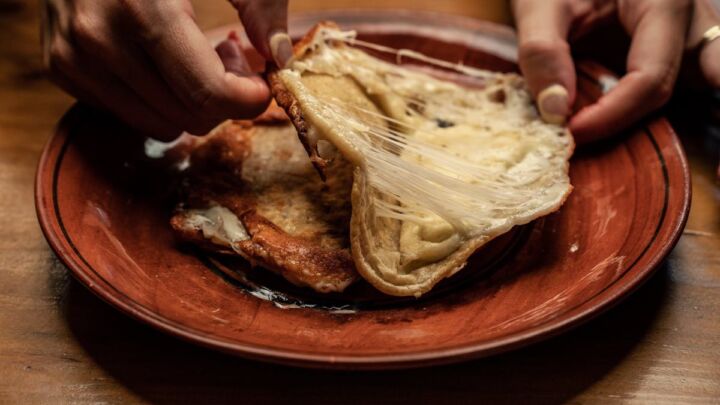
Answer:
(663, 213)
(212, 338)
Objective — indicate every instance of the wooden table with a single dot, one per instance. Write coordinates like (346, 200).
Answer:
(59, 343)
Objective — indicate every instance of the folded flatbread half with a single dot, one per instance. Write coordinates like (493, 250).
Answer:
(439, 169)
(250, 190)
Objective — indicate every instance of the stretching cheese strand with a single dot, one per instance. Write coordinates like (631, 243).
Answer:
(436, 155)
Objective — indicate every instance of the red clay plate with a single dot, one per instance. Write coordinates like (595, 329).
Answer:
(104, 207)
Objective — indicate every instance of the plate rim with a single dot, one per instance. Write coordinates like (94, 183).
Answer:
(71, 258)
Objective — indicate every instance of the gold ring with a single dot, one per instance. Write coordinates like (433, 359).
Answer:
(710, 35)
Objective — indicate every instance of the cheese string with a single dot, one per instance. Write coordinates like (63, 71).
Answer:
(350, 37)
(417, 177)
(460, 191)
(473, 169)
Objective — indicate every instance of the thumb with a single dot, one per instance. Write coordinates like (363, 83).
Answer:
(265, 23)
(544, 56)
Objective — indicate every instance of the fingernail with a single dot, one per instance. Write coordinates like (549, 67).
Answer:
(281, 48)
(233, 57)
(553, 104)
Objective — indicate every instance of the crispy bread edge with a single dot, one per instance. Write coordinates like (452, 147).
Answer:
(445, 268)
(264, 233)
(289, 103)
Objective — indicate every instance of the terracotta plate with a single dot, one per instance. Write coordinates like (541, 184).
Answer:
(104, 207)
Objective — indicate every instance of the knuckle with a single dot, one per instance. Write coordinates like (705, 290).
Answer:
(663, 93)
(138, 17)
(535, 48)
(85, 29)
(661, 84)
(149, 20)
(132, 10)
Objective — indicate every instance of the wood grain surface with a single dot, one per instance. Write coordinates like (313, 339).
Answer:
(60, 344)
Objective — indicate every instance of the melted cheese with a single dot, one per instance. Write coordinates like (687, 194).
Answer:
(454, 162)
(218, 224)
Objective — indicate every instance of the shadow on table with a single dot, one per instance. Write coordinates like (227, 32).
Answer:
(165, 370)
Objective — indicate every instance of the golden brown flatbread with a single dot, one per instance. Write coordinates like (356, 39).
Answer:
(251, 190)
(439, 169)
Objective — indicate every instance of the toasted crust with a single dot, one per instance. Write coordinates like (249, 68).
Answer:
(273, 115)
(297, 226)
(301, 261)
(289, 103)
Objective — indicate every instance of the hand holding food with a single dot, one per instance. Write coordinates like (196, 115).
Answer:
(660, 32)
(437, 169)
(403, 157)
(150, 64)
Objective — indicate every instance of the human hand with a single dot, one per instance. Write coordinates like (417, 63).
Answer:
(149, 63)
(660, 31)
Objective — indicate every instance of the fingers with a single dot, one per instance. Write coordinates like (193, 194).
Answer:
(77, 74)
(149, 63)
(544, 55)
(133, 67)
(232, 56)
(653, 64)
(706, 16)
(197, 76)
(265, 23)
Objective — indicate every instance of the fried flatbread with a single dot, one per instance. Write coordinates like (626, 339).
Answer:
(440, 169)
(251, 190)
